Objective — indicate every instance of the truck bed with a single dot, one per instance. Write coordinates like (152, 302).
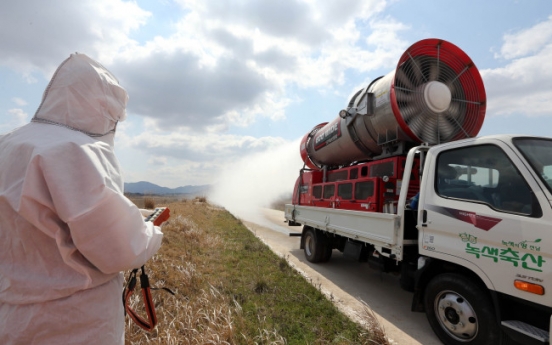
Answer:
(379, 229)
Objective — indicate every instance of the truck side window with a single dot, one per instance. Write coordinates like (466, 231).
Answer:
(337, 176)
(345, 191)
(317, 192)
(329, 191)
(382, 169)
(353, 174)
(364, 190)
(484, 174)
(537, 152)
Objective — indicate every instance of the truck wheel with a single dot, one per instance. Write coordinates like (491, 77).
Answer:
(460, 312)
(328, 250)
(316, 246)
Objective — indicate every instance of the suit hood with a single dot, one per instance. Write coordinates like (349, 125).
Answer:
(84, 96)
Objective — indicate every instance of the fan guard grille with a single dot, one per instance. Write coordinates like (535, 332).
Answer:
(440, 61)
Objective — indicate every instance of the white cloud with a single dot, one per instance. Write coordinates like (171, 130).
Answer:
(223, 65)
(524, 84)
(180, 158)
(15, 118)
(527, 41)
(226, 65)
(205, 147)
(19, 101)
(192, 146)
(48, 33)
(158, 161)
(177, 175)
(184, 157)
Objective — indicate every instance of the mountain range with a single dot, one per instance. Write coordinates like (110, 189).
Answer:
(144, 187)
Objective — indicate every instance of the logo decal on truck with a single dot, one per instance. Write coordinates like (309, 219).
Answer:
(528, 261)
(468, 238)
(532, 245)
(331, 133)
(481, 222)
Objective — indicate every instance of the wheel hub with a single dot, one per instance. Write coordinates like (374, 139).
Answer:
(456, 316)
(452, 316)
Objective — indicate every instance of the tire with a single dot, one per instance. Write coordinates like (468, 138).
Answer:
(328, 250)
(327, 247)
(316, 246)
(460, 312)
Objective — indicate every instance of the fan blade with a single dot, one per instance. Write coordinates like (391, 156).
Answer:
(456, 110)
(426, 65)
(429, 132)
(417, 74)
(408, 111)
(404, 95)
(402, 79)
(418, 122)
(456, 91)
(447, 128)
(434, 71)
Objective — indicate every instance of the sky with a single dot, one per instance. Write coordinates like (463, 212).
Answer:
(221, 92)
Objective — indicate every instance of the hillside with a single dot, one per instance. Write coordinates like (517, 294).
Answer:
(144, 187)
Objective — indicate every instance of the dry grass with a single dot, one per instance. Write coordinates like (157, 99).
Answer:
(152, 201)
(231, 289)
(371, 324)
(149, 203)
(201, 199)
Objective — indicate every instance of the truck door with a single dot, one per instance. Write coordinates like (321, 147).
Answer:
(483, 210)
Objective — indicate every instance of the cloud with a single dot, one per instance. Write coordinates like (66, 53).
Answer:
(15, 118)
(179, 158)
(205, 147)
(526, 41)
(217, 68)
(225, 66)
(228, 64)
(179, 92)
(306, 22)
(523, 85)
(176, 175)
(225, 63)
(19, 101)
(47, 33)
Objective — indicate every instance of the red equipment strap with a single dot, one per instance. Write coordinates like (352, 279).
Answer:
(151, 321)
(160, 215)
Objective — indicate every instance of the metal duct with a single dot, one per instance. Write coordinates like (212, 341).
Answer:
(434, 95)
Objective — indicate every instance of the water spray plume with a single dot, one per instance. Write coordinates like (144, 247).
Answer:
(258, 180)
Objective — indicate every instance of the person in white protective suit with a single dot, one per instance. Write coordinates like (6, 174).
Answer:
(66, 229)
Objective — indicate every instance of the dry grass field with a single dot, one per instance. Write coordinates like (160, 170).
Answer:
(230, 288)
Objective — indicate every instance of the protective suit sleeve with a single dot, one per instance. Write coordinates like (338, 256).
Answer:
(113, 236)
(106, 228)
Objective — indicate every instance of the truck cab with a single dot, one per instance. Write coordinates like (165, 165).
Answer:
(484, 210)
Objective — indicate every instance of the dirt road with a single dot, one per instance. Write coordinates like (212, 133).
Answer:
(349, 283)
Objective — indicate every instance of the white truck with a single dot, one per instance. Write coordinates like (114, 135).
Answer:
(400, 180)
(474, 252)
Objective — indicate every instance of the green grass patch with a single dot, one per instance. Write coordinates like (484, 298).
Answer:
(231, 288)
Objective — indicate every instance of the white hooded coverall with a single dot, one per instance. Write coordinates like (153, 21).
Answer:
(66, 229)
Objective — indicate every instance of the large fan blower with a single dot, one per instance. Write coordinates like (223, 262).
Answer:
(435, 95)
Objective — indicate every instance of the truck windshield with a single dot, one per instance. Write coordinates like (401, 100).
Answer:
(538, 153)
